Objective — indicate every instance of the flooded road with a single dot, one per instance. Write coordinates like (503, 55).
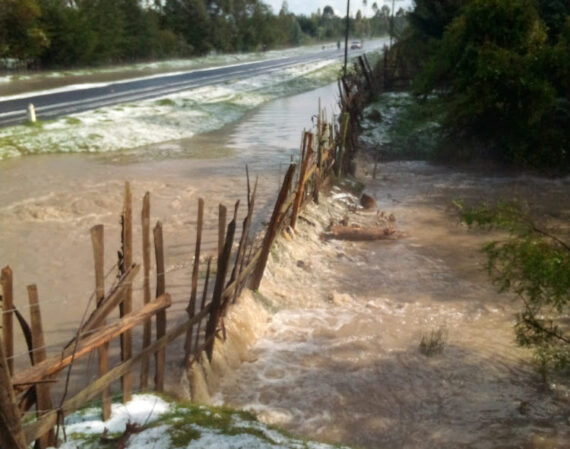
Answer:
(340, 360)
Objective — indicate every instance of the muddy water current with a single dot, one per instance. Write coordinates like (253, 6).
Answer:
(48, 203)
(339, 360)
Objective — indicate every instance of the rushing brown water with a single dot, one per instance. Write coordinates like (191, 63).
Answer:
(48, 203)
(340, 360)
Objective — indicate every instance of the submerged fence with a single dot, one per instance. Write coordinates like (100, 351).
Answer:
(240, 263)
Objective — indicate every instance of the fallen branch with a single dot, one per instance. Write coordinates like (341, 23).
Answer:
(351, 233)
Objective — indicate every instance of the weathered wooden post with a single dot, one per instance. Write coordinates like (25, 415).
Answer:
(191, 309)
(98, 243)
(146, 250)
(222, 222)
(203, 304)
(301, 186)
(160, 316)
(126, 306)
(271, 232)
(223, 263)
(11, 432)
(6, 279)
(43, 395)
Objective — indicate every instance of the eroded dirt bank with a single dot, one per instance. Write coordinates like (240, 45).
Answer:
(340, 358)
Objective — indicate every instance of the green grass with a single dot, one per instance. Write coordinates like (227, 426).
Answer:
(166, 102)
(72, 121)
(433, 343)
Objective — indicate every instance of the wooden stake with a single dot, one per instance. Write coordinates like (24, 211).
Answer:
(271, 232)
(301, 186)
(11, 431)
(146, 249)
(222, 221)
(6, 279)
(161, 316)
(98, 242)
(240, 256)
(223, 263)
(126, 306)
(203, 304)
(191, 310)
(43, 395)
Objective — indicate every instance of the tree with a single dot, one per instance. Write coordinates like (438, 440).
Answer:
(490, 62)
(534, 264)
(21, 36)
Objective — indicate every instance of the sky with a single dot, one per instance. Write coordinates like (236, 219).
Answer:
(309, 6)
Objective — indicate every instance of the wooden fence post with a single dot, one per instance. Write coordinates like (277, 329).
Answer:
(160, 316)
(191, 310)
(271, 232)
(126, 306)
(240, 256)
(6, 279)
(301, 187)
(215, 313)
(43, 395)
(11, 431)
(203, 304)
(146, 250)
(222, 222)
(98, 243)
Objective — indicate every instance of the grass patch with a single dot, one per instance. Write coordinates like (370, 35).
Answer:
(166, 102)
(400, 126)
(72, 121)
(433, 343)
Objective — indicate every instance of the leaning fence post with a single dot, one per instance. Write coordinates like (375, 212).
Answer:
(203, 303)
(160, 316)
(146, 249)
(6, 279)
(215, 313)
(222, 222)
(43, 395)
(301, 186)
(11, 431)
(126, 305)
(98, 243)
(195, 270)
(272, 229)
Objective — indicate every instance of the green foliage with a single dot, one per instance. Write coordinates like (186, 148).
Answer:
(534, 265)
(57, 33)
(502, 67)
(21, 36)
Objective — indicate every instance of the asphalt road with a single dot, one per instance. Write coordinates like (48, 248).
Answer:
(56, 104)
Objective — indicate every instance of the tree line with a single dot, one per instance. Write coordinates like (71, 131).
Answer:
(63, 33)
(501, 68)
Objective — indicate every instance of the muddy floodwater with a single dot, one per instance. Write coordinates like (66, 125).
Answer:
(339, 359)
(48, 204)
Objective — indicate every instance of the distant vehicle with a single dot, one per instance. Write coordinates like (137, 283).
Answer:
(355, 45)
